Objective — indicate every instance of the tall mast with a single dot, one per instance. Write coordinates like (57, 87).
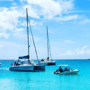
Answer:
(27, 32)
(47, 43)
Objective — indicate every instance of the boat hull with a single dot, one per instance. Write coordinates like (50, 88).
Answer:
(43, 63)
(22, 68)
(39, 68)
(48, 63)
(32, 68)
(51, 63)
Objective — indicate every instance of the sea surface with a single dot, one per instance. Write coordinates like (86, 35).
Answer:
(10, 80)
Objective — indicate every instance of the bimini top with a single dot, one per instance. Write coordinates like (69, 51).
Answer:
(63, 65)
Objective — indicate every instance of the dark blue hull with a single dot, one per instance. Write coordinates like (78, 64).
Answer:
(49, 64)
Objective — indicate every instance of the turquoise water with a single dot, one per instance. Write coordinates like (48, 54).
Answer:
(46, 80)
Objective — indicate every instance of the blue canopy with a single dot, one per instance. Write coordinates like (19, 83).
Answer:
(24, 57)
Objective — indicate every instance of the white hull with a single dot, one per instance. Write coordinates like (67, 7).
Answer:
(47, 63)
(71, 72)
(22, 68)
(43, 63)
(28, 68)
(51, 63)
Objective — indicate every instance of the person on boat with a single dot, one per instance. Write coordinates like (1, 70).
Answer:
(60, 69)
(42, 59)
(28, 62)
(15, 63)
(67, 69)
(48, 58)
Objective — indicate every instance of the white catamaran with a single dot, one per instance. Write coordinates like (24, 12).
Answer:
(48, 61)
(28, 66)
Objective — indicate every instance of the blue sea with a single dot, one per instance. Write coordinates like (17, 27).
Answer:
(46, 80)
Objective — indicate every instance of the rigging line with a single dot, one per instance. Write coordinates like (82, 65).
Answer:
(50, 52)
(47, 43)
(33, 41)
(23, 47)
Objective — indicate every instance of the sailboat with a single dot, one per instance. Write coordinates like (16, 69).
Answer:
(24, 63)
(48, 61)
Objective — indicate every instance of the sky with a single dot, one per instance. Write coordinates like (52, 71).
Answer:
(68, 24)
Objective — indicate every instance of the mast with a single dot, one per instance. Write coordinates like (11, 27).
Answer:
(47, 44)
(27, 32)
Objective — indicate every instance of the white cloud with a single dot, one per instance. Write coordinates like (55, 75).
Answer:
(67, 18)
(32, 23)
(9, 18)
(68, 41)
(85, 21)
(83, 51)
(66, 5)
(12, 50)
(77, 11)
(1, 46)
(19, 35)
(18, 29)
(14, 4)
(23, 23)
(49, 8)
(32, 12)
(7, 0)
(5, 35)
(37, 39)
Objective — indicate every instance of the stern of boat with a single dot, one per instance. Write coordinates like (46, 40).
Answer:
(51, 63)
(39, 68)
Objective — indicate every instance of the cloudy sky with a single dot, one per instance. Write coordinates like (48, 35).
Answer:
(68, 23)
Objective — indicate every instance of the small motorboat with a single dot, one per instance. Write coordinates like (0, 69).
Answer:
(66, 70)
